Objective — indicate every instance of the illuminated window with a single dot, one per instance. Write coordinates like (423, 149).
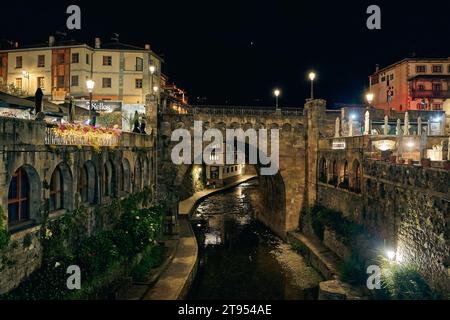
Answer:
(61, 59)
(75, 82)
(75, 57)
(18, 62)
(18, 83)
(41, 61)
(437, 69)
(19, 198)
(138, 83)
(56, 191)
(40, 82)
(139, 64)
(107, 60)
(60, 82)
(421, 69)
(106, 82)
(87, 59)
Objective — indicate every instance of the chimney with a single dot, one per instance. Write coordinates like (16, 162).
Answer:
(98, 43)
(51, 41)
(16, 45)
(147, 46)
(377, 67)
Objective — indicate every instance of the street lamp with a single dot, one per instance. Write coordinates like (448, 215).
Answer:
(26, 75)
(312, 77)
(155, 89)
(369, 98)
(90, 84)
(276, 93)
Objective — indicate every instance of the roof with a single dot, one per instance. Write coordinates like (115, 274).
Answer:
(430, 76)
(411, 60)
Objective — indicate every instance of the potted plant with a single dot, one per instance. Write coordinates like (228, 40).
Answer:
(426, 162)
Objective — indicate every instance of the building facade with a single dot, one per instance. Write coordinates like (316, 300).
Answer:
(123, 74)
(412, 84)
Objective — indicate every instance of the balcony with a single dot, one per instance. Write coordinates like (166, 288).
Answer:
(430, 94)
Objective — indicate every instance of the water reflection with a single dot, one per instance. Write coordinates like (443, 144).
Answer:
(242, 259)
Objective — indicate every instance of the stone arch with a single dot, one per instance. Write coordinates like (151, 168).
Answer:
(334, 173)
(323, 171)
(109, 179)
(299, 129)
(88, 179)
(180, 125)
(344, 176)
(235, 125)
(247, 126)
(286, 128)
(28, 198)
(125, 176)
(274, 126)
(145, 172)
(61, 188)
(137, 181)
(357, 177)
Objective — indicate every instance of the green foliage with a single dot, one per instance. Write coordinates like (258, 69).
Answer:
(322, 217)
(153, 258)
(353, 270)
(4, 234)
(403, 281)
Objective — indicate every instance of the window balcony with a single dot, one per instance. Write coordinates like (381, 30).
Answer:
(430, 94)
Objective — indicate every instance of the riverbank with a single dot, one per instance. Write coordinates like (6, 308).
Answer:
(178, 274)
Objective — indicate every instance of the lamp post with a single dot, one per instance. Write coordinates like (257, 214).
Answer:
(90, 84)
(276, 93)
(152, 70)
(26, 75)
(312, 77)
(369, 98)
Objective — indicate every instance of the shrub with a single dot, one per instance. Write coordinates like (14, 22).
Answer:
(404, 282)
(152, 258)
(353, 270)
(4, 234)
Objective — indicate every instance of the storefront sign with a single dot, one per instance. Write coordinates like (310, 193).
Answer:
(100, 106)
(339, 145)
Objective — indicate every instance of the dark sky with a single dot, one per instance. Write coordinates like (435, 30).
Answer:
(238, 51)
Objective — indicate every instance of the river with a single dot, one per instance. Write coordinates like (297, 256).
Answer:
(240, 259)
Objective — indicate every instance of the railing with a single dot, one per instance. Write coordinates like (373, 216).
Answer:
(430, 94)
(243, 111)
(52, 138)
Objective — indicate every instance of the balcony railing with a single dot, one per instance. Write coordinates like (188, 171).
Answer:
(243, 111)
(439, 94)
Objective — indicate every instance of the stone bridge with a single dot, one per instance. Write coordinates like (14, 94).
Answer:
(286, 194)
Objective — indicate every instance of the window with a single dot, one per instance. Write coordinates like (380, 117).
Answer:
(56, 191)
(392, 77)
(383, 79)
(75, 57)
(83, 185)
(421, 87)
(18, 62)
(18, 83)
(60, 82)
(437, 69)
(41, 61)
(106, 82)
(421, 69)
(138, 83)
(60, 58)
(75, 82)
(40, 82)
(437, 106)
(87, 59)
(437, 87)
(139, 64)
(107, 60)
(19, 198)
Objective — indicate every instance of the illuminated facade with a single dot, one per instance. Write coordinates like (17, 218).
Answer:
(412, 84)
(61, 68)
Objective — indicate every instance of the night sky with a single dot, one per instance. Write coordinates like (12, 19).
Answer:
(236, 52)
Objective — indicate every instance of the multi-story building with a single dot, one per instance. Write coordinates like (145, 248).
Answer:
(124, 75)
(412, 84)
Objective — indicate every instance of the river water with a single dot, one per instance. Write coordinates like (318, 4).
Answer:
(242, 259)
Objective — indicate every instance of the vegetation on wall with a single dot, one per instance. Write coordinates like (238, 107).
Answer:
(4, 235)
(103, 257)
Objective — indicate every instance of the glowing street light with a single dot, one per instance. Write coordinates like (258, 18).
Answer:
(312, 77)
(391, 255)
(26, 75)
(152, 69)
(90, 84)
(369, 98)
(155, 89)
(276, 93)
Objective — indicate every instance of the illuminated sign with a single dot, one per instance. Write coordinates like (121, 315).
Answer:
(339, 145)
(384, 145)
(100, 106)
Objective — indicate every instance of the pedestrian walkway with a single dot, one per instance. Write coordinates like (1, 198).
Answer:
(174, 283)
(185, 207)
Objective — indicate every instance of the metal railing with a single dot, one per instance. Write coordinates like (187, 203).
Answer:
(243, 111)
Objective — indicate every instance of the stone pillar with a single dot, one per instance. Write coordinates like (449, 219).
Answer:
(315, 120)
(419, 126)
(367, 123)
(337, 128)
(386, 125)
(350, 128)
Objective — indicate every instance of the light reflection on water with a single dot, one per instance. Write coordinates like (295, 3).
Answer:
(241, 259)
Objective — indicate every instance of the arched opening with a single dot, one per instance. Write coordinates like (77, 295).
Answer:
(137, 176)
(61, 193)
(345, 181)
(83, 185)
(334, 174)
(145, 172)
(109, 179)
(323, 171)
(19, 198)
(125, 174)
(357, 177)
